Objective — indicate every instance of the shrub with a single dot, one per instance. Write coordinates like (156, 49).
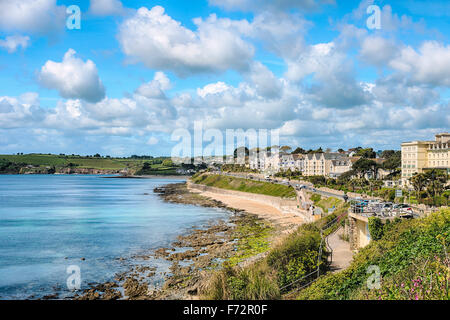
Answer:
(375, 228)
(402, 253)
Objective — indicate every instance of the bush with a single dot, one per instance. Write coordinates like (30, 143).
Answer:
(407, 248)
(375, 228)
(255, 283)
(297, 256)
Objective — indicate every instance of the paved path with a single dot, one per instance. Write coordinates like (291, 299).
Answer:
(342, 255)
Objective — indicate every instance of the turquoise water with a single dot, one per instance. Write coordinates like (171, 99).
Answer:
(49, 222)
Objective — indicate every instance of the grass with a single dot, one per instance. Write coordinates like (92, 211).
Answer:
(244, 185)
(325, 203)
(290, 260)
(413, 259)
(65, 161)
(253, 234)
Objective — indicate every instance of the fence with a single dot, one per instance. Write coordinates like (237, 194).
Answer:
(314, 275)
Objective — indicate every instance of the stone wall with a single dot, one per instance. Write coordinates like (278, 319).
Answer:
(353, 234)
(287, 206)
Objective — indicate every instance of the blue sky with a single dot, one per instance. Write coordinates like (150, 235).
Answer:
(137, 71)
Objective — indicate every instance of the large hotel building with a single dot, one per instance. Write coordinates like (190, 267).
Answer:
(418, 156)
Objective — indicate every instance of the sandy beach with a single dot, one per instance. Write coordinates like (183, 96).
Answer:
(286, 221)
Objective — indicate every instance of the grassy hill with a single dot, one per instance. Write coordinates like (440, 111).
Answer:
(40, 163)
(244, 185)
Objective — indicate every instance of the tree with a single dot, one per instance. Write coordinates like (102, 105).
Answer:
(299, 150)
(285, 149)
(418, 182)
(393, 159)
(340, 150)
(367, 153)
(363, 166)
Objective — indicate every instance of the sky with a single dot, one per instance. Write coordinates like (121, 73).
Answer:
(324, 73)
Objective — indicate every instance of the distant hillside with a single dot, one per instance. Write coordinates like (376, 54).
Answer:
(47, 164)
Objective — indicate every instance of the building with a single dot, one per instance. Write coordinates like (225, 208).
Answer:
(257, 161)
(340, 166)
(287, 162)
(299, 160)
(326, 164)
(418, 156)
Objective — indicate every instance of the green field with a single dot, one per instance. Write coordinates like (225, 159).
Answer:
(19, 163)
(244, 185)
(64, 161)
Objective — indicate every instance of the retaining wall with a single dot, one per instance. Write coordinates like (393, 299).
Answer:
(284, 205)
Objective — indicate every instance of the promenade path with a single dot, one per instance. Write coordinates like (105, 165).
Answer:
(342, 254)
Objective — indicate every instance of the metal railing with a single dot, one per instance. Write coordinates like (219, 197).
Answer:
(323, 242)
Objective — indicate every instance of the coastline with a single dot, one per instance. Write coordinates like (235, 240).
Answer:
(200, 251)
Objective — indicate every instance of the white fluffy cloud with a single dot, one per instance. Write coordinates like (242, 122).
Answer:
(23, 111)
(429, 65)
(34, 16)
(378, 50)
(333, 83)
(73, 78)
(106, 7)
(160, 42)
(155, 88)
(12, 43)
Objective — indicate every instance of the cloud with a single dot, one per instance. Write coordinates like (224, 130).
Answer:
(212, 89)
(152, 141)
(106, 7)
(377, 50)
(155, 88)
(12, 43)
(33, 16)
(73, 78)
(20, 112)
(160, 42)
(429, 65)
(329, 75)
(265, 82)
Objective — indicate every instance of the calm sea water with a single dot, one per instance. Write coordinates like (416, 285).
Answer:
(49, 222)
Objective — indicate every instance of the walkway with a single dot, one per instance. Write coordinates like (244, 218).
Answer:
(342, 254)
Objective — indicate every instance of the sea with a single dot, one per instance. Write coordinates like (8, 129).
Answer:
(63, 233)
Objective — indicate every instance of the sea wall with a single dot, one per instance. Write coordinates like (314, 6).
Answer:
(286, 206)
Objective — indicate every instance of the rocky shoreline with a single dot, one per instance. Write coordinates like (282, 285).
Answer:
(192, 257)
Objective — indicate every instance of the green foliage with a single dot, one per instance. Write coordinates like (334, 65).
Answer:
(297, 256)
(393, 159)
(253, 234)
(364, 165)
(407, 248)
(315, 198)
(245, 185)
(375, 228)
(256, 283)
(367, 153)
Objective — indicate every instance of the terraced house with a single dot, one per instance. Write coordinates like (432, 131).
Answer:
(418, 156)
(326, 164)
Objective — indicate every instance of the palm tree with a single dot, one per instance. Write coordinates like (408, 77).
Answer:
(419, 182)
